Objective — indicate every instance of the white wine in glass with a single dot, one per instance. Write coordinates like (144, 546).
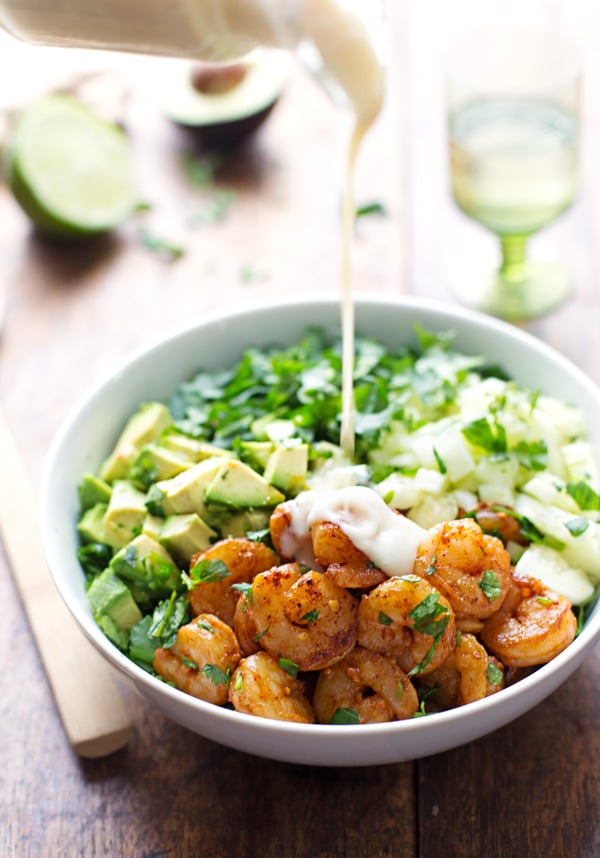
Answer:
(513, 133)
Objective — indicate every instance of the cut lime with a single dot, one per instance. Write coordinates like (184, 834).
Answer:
(70, 170)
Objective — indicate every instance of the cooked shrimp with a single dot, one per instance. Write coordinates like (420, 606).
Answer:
(468, 674)
(300, 615)
(244, 559)
(368, 683)
(499, 523)
(201, 661)
(533, 625)
(407, 620)
(260, 686)
(346, 564)
(471, 568)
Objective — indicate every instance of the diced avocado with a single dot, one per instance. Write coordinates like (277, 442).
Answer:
(151, 526)
(148, 566)
(185, 492)
(113, 607)
(185, 535)
(270, 428)
(91, 524)
(240, 523)
(92, 490)
(190, 448)
(124, 515)
(144, 426)
(236, 484)
(120, 637)
(155, 462)
(257, 452)
(286, 468)
(107, 594)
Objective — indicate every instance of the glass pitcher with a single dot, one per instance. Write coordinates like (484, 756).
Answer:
(340, 41)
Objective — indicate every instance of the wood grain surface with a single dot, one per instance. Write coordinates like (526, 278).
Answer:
(529, 789)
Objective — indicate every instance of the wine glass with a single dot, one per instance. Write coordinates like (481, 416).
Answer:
(513, 129)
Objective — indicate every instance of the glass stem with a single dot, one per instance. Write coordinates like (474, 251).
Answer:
(514, 261)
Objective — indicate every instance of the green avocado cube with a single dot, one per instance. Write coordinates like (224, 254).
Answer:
(124, 515)
(237, 485)
(286, 468)
(257, 453)
(186, 535)
(113, 607)
(151, 526)
(92, 490)
(184, 493)
(192, 449)
(91, 524)
(155, 462)
(143, 427)
(148, 567)
(107, 594)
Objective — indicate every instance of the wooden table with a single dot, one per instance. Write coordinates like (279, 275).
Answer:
(531, 788)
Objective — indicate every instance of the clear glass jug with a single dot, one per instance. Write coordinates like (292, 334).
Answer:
(340, 41)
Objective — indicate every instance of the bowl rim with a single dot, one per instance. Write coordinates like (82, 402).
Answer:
(541, 682)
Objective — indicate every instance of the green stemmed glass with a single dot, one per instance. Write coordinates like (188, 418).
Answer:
(513, 129)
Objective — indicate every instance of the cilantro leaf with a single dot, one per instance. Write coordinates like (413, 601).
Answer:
(345, 716)
(490, 436)
(577, 526)
(490, 585)
(429, 617)
(290, 666)
(584, 496)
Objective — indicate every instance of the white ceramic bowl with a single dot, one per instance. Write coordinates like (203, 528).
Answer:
(153, 373)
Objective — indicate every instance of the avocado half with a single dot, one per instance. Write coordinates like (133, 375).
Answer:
(224, 104)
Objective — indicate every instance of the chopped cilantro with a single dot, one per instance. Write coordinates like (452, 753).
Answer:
(290, 666)
(206, 571)
(215, 674)
(260, 635)
(189, 663)
(239, 681)
(429, 617)
(384, 619)
(584, 496)
(202, 624)
(440, 462)
(490, 585)
(577, 526)
(493, 674)
(345, 716)
(310, 617)
(488, 435)
(374, 208)
(245, 589)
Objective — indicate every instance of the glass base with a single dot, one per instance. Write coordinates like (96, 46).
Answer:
(543, 288)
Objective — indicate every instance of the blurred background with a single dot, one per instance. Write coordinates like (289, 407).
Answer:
(267, 221)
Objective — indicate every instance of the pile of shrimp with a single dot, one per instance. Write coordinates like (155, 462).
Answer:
(344, 643)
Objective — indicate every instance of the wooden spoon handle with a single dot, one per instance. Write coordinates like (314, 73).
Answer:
(90, 705)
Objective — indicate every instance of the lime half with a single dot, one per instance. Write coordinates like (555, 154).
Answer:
(70, 170)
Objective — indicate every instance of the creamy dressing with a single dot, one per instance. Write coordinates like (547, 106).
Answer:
(389, 540)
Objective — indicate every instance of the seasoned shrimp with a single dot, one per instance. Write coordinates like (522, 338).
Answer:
(533, 625)
(472, 569)
(368, 683)
(201, 661)
(299, 615)
(244, 559)
(408, 620)
(260, 686)
(346, 564)
(468, 674)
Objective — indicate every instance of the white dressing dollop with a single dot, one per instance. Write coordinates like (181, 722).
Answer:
(389, 540)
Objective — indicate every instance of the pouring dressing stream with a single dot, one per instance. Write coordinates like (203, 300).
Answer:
(337, 40)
